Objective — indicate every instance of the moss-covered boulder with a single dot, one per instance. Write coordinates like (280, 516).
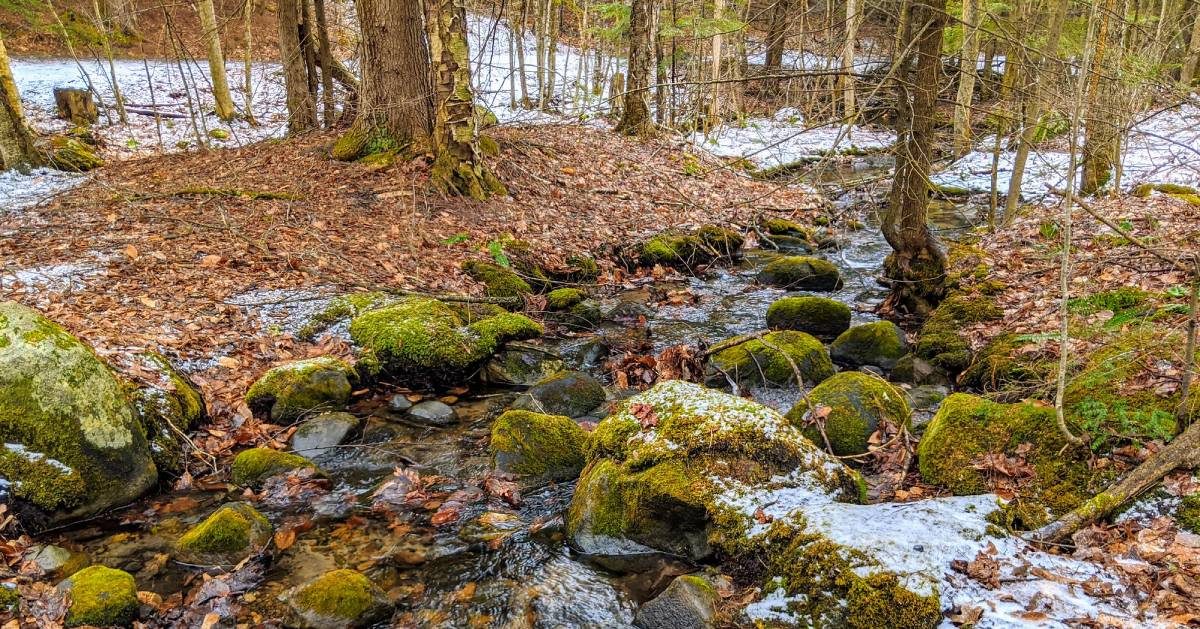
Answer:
(72, 443)
(251, 467)
(722, 241)
(232, 533)
(821, 317)
(498, 281)
(940, 340)
(71, 155)
(564, 298)
(689, 601)
(418, 338)
(569, 393)
(521, 364)
(339, 599)
(101, 597)
(857, 403)
(969, 432)
(800, 273)
(879, 344)
(677, 250)
(292, 390)
(540, 448)
(912, 369)
(656, 466)
(570, 308)
(757, 362)
(789, 236)
(168, 406)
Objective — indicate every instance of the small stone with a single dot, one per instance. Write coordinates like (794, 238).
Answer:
(521, 364)
(879, 344)
(252, 467)
(319, 437)
(339, 599)
(540, 448)
(101, 597)
(567, 393)
(399, 404)
(56, 562)
(690, 602)
(232, 533)
(433, 413)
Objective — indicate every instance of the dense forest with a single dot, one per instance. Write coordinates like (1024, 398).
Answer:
(340, 314)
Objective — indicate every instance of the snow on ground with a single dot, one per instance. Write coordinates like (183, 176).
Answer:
(919, 540)
(786, 137)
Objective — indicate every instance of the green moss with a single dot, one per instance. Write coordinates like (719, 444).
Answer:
(1187, 514)
(724, 242)
(800, 273)
(369, 144)
(497, 280)
(1144, 190)
(564, 298)
(784, 227)
(547, 447)
(756, 363)
(340, 309)
(678, 250)
(166, 409)
(1000, 366)
(880, 343)
(880, 600)
(940, 341)
(10, 599)
(1117, 300)
(251, 467)
(580, 268)
(218, 134)
(294, 389)
(101, 597)
(346, 595)
(232, 532)
(570, 393)
(818, 316)
(857, 402)
(72, 155)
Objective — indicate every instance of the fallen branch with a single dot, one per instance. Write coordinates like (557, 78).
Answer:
(231, 193)
(155, 114)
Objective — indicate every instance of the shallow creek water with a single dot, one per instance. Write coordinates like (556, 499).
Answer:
(497, 565)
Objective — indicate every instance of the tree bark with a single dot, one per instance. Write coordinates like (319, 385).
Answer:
(216, 59)
(915, 270)
(1188, 73)
(968, 62)
(121, 16)
(777, 36)
(395, 109)
(853, 17)
(302, 107)
(1100, 143)
(325, 61)
(635, 112)
(16, 140)
(458, 166)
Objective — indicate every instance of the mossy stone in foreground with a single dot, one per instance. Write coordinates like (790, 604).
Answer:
(497, 280)
(294, 389)
(755, 361)
(251, 467)
(940, 341)
(541, 448)
(801, 273)
(339, 599)
(71, 442)
(166, 408)
(857, 402)
(229, 535)
(675, 250)
(101, 597)
(819, 316)
(878, 344)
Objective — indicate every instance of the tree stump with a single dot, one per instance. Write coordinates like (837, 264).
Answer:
(76, 105)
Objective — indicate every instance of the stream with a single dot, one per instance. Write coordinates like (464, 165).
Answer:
(498, 565)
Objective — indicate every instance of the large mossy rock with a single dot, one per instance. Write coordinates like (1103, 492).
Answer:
(498, 281)
(689, 602)
(569, 393)
(821, 317)
(101, 597)
(879, 344)
(940, 340)
(757, 362)
(521, 364)
(857, 402)
(168, 407)
(656, 466)
(232, 533)
(968, 433)
(72, 443)
(801, 273)
(251, 467)
(424, 339)
(339, 599)
(540, 448)
(298, 388)
(684, 250)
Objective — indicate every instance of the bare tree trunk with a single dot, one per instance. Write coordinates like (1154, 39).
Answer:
(777, 36)
(248, 62)
(106, 43)
(916, 268)
(519, 34)
(216, 59)
(395, 110)
(718, 41)
(16, 141)
(853, 18)
(325, 56)
(302, 107)
(552, 26)
(967, 70)
(121, 15)
(458, 167)
(635, 112)
(1188, 73)
(1100, 144)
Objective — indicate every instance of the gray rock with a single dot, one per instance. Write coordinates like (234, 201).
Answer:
(319, 437)
(569, 393)
(399, 404)
(433, 412)
(339, 599)
(913, 369)
(690, 602)
(56, 562)
(928, 396)
(880, 344)
(521, 364)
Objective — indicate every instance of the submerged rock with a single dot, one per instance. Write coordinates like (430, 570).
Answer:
(294, 389)
(101, 597)
(540, 448)
(521, 364)
(569, 393)
(655, 466)
(339, 599)
(433, 413)
(56, 562)
(879, 344)
(801, 273)
(756, 361)
(232, 533)
(819, 316)
(690, 602)
(72, 444)
(168, 408)
(857, 403)
(319, 437)
(252, 467)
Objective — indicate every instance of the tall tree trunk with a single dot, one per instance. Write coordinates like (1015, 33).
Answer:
(1192, 60)
(519, 34)
(1101, 140)
(248, 62)
(718, 41)
(325, 59)
(777, 36)
(16, 141)
(458, 166)
(635, 112)
(395, 111)
(216, 59)
(121, 15)
(301, 106)
(916, 268)
(853, 18)
(967, 69)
